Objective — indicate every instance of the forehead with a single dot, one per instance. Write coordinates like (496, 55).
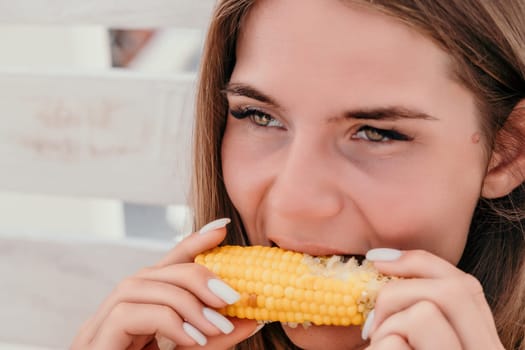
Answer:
(323, 45)
(316, 31)
(312, 22)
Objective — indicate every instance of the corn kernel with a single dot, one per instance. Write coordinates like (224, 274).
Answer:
(285, 286)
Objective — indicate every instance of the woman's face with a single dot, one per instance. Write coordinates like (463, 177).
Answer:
(346, 132)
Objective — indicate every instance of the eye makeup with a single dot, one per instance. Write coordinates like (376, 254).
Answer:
(372, 134)
(256, 116)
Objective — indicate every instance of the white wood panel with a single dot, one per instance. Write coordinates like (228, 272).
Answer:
(112, 13)
(51, 286)
(113, 135)
(55, 46)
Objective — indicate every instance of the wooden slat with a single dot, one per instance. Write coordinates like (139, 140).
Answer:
(73, 277)
(111, 13)
(114, 134)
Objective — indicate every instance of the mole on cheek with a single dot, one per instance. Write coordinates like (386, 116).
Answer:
(476, 137)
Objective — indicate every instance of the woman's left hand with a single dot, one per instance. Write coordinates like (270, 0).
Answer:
(435, 306)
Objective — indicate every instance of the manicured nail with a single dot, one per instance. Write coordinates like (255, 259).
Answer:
(223, 291)
(165, 343)
(257, 329)
(219, 223)
(194, 334)
(218, 320)
(383, 254)
(367, 325)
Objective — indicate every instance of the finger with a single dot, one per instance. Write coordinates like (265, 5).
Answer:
(470, 318)
(129, 321)
(243, 330)
(208, 237)
(391, 342)
(412, 263)
(185, 251)
(84, 335)
(422, 264)
(183, 302)
(143, 342)
(164, 343)
(203, 283)
(153, 345)
(422, 325)
(171, 286)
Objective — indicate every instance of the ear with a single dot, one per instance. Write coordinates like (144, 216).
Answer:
(506, 169)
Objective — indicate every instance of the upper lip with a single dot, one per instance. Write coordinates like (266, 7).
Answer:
(311, 248)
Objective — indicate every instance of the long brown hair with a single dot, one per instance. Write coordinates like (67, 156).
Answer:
(486, 40)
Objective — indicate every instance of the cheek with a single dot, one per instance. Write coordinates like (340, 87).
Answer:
(431, 209)
(232, 172)
(240, 173)
(442, 231)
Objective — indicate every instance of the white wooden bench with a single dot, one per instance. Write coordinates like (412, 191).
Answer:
(90, 133)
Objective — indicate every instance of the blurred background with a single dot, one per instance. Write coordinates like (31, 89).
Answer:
(161, 51)
(95, 142)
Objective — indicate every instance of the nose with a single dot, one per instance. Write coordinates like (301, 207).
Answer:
(305, 185)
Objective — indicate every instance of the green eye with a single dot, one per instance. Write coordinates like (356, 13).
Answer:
(374, 135)
(371, 134)
(262, 119)
(257, 117)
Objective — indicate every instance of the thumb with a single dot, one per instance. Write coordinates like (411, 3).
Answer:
(208, 237)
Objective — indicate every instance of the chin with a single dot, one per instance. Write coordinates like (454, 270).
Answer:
(325, 337)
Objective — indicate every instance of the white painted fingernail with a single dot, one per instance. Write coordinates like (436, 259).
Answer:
(194, 334)
(257, 329)
(218, 320)
(368, 325)
(165, 343)
(216, 224)
(223, 291)
(383, 254)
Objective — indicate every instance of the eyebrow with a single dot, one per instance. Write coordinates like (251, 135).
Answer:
(390, 113)
(237, 89)
(385, 113)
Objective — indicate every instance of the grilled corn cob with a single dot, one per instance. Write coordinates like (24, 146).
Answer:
(295, 288)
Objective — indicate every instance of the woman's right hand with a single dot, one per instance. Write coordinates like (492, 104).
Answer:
(173, 299)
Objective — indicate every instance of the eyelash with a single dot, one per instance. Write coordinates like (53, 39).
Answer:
(253, 113)
(388, 135)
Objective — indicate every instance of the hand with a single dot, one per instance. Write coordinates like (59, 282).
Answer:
(437, 306)
(170, 300)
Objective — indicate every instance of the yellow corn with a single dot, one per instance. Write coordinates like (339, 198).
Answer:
(294, 288)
